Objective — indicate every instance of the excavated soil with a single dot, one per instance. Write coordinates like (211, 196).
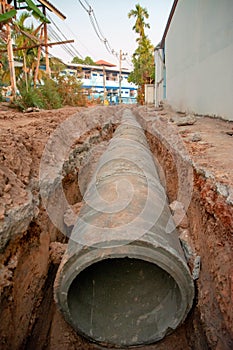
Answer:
(195, 162)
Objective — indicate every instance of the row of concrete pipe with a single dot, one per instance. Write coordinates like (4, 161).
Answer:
(124, 280)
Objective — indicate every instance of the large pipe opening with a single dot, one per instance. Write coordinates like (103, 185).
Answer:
(124, 302)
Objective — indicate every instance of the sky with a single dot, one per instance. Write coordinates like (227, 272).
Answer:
(112, 17)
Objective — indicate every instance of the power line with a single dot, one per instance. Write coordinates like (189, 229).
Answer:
(79, 41)
(72, 49)
(96, 27)
(55, 36)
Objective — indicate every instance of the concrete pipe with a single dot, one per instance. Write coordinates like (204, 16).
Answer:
(123, 280)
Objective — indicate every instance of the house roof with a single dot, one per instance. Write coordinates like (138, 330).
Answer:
(104, 63)
(161, 44)
(93, 68)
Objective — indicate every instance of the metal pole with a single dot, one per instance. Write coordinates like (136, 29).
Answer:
(104, 82)
(120, 76)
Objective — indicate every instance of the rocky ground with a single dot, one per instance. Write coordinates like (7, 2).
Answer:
(187, 148)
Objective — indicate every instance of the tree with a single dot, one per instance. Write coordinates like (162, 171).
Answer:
(88, 60)
(56, 64)
(143, 61)
(140, 14)
(34, 10)
(28, 55)
(6, 20)
(77, 60)
(4, 66)
(143, 57)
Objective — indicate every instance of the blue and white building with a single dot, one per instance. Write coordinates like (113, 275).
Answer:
(107, 78)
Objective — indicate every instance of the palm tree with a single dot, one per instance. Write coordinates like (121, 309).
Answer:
(22, 35)
(143, 59)
(4, 65)
(140, 14)
(6, 19)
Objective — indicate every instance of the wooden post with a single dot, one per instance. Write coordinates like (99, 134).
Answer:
(48, 71)
(11, 60)
(38, 60)
(5, 7)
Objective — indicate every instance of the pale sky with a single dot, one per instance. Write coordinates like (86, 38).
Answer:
(112, 17)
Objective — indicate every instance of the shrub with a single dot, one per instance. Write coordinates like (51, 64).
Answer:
(50, 94)
(70, 90)
(29, 97)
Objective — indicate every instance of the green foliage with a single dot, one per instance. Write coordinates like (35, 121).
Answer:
(35, 11)
(70, 90)
(50, 94)
(77, 60)
(56, 64)
(140, 14)
(88, 60)
(20, 39)
(143, 61)
(5, 17)
(143, 57)
(29, 97)
(1, 97)
(27, 56)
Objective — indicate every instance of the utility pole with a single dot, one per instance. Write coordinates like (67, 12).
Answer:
(122, 57)
(104, 82)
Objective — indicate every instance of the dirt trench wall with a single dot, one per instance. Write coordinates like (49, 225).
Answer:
(210, 217)
(26, 232)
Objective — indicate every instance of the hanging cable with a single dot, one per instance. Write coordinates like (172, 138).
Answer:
(96, 26)
(71, 47)
(53, 34)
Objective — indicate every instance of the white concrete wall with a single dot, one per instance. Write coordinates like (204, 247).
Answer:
(199, 57)
(149, 93)
(158, 76)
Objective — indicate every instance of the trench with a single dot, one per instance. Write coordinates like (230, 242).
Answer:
(109, 276)
(47, 328)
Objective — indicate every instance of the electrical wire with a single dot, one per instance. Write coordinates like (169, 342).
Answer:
(74, 36)
(96, 27)
(56, 34)
(53, 34)
(78, 54)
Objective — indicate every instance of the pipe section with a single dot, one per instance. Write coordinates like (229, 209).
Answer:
(123, 280)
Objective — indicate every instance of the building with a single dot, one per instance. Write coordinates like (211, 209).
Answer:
(104, 81)
(194, 70)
